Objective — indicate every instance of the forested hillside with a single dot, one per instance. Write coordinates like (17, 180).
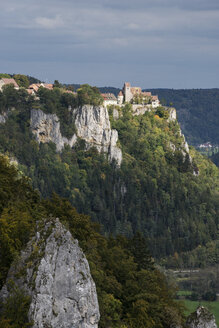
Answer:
(131, 291)
(158, 190)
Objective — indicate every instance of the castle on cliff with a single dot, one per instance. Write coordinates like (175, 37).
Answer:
(133, 95)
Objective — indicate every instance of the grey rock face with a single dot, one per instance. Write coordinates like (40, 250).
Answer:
(172, 114)
(46, 128)
(62, 290)
(140, 109)
(201, 318)
(3, 117)
(115, 114)
(185, 146)
(92, 124)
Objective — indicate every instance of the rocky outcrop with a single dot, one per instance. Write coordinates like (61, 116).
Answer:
(140, 109)
(172, 114)
(185, 144)
(46, 128)
(3, 117)
(92, 125)
(201, 318)
(116, 114)
(56, 274)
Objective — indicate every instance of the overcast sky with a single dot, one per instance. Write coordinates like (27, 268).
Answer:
(151, 43)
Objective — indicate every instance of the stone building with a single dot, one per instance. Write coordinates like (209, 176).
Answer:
(120, 98)
(129, 94)
(155, 102)
(109, 99)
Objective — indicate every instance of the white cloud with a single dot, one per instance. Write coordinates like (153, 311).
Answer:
(49, 23)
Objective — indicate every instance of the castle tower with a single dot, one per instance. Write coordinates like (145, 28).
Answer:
(127, 92)
(120, 98)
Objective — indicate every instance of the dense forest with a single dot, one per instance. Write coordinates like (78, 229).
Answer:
(156, 191)
(131, 291)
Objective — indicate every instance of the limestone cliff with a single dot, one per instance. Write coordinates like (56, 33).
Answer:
(201, 318)
(55, 273)
(46, 128)
(92, 124)
(172, 114)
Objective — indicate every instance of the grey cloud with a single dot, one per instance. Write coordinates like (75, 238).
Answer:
(114, 36)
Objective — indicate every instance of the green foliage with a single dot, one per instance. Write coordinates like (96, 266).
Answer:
(128, 295)
(22, 80)
(161, 112)
(209, 296)
(163, 184)
(17, 213)
(56, 84)
(197, 112)
(111, 310)
(11, 99)
(201, 256)
(15, 309)
(4, 75)
(88, 95)
(154, 192)
(139, 249)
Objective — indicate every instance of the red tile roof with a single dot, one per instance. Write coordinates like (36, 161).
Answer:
(48, 86)
(34, 86)
(10, 81)
(146, 93)
(108, 96)
(136, 90)
(30, 91)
